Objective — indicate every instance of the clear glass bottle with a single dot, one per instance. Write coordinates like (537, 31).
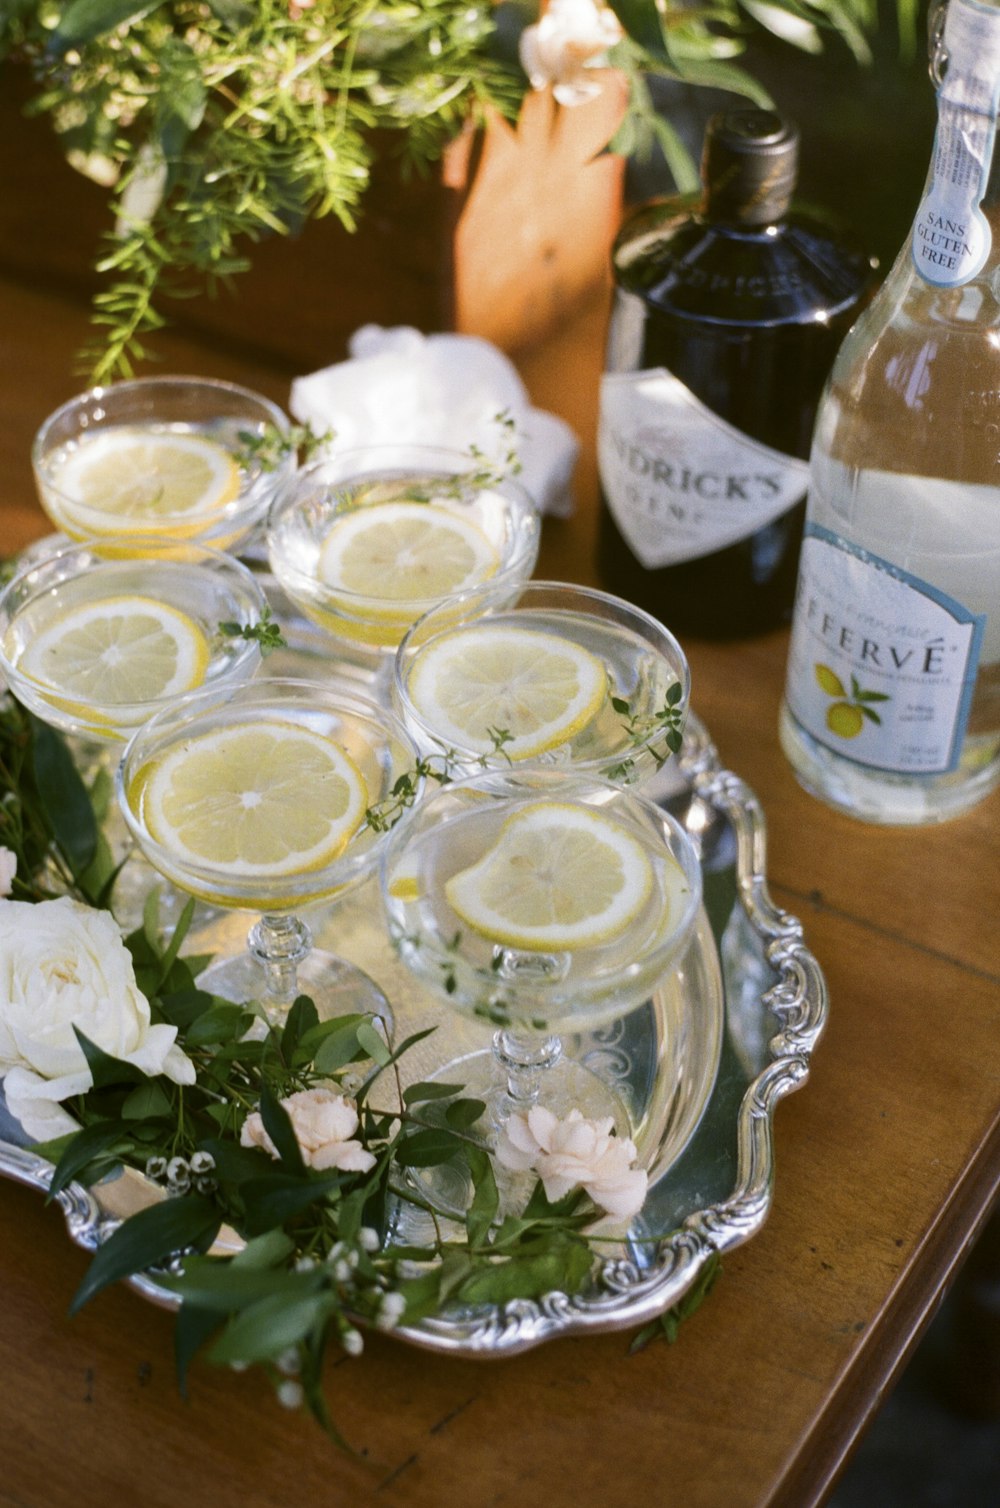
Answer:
(729, 308)
(892, 703)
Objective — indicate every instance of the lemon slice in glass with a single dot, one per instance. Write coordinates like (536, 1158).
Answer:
(537, 688)
(559, 877)
(272, 799)
(400, 553)
(140, 479)
(118, 650)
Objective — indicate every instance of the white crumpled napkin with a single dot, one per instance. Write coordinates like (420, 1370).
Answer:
(400, 386)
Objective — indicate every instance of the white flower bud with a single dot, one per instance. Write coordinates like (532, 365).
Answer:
(368, 1239)
(290, 1394)
(352, 1341)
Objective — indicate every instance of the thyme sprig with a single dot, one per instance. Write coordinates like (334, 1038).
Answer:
(660, 733)
(265, 632)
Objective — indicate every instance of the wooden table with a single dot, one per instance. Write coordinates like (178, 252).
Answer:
(887, 1162)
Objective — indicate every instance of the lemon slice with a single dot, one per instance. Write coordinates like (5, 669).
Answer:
(404, 553)
(559, 877)
(272, 799)
(144, 479)
(482, 679)
(118, 650)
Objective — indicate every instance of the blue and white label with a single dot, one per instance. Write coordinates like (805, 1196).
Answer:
(951, 236)
(882, 665)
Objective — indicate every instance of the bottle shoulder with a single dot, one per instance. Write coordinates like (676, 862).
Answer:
(686, 267)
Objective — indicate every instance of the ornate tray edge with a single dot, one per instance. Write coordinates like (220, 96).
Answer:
(626, 1296)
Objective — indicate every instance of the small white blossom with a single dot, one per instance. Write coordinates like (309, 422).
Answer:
(352, 1341)
(575, 1153)
(324, 1124)
(8, 868)
(202, 1163)
(571, 36)
(290, 1394)
(391, 1309)
(368, 1239)
(289, 1362)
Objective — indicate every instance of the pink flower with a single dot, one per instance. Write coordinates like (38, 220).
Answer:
(324, 1123)
(572, 1153)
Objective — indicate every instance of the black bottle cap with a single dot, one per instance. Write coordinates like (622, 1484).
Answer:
(749, 166)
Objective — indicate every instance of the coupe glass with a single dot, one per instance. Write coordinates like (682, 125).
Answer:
(101, 589)
(253, 731)
(241, 433)
(531, 991)
(348, 580)
(475, 691)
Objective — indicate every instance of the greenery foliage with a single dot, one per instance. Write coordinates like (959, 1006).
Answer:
(215, 123)
(272, 1260)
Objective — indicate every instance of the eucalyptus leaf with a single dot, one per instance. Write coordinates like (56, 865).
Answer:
(462, 1114)
(302, 1017)
(414, 1093)
(193, 1328)
(564, 1266)
(372, 1041)
(226, 1288)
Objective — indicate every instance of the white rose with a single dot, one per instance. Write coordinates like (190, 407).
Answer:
(324, 1123)
(572, 1153)
(8, 869)
(570, 36)
(63, 964)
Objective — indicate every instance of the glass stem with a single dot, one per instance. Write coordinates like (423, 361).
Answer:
(279, 944)
(524, 1061)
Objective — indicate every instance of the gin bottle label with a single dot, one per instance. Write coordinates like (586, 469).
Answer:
(679, 481)
(882, 664)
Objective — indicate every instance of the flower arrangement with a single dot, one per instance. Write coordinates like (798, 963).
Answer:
(272, 1153)
(214, 123)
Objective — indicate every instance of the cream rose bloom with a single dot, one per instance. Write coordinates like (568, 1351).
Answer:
(324, 1123)
(63, 964)
(8, 869)
(570, 36)
(572, 1153)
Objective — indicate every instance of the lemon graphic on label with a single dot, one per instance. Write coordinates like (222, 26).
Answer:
(844, 720)
(846, 717)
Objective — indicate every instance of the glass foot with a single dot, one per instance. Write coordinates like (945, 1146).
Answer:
(565, 1086)
(336, 987)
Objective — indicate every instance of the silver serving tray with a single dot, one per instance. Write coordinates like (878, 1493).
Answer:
(702, 1067)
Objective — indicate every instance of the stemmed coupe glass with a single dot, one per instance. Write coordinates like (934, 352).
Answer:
(271, 799)
(544, 902)
(364, 542)
(179, 457)
(552, 675)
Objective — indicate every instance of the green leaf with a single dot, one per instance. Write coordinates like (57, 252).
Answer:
(334, 1043)
(266, 1329)
(148, 1238)
(426, 1149)
(64, 797)
(105, 1070)
(82, 20)
(85, 1146)
(208, 1283)
(279, 1128)
(147, 1102)
(564, 1267)
(482, 1212)
(220, 1023)
(414, 1093)
(269, 1202)
(268, 1250)
(302, 1017)
(373, 1043)
(465, 1113)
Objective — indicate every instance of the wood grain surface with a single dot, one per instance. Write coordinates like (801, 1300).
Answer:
(887, 1161)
